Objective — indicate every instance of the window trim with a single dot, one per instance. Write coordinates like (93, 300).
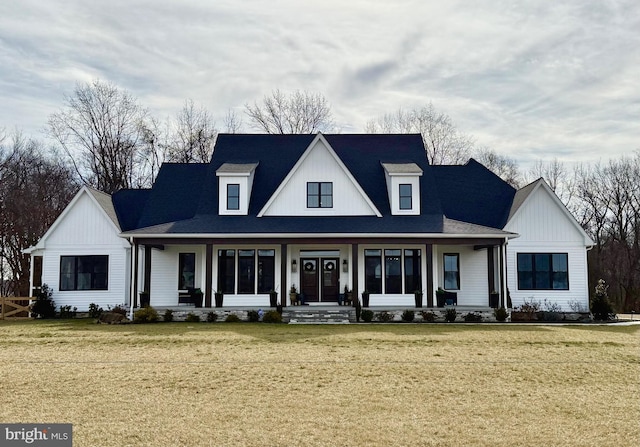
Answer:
(381, 256)
(181, 262)
(75, 273)
(551, 270)
(319, 195)
(233, 196)
(401, 196)
(457, 271)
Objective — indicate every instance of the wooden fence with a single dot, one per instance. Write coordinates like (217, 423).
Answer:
(14, 307)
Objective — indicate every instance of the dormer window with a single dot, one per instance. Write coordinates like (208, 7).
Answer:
(405, 196)
(233, 196)
(319, 195)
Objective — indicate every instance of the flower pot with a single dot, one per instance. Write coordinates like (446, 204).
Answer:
(365, 299)
(418, 297)
(293, 297)
(145, 299)
(219, 297)
(440, 299)
(273, 299)
(493, 300)
(196, 298)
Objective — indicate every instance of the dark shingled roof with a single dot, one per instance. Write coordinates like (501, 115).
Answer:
(184, 198)
(129, 204)
(472, 193)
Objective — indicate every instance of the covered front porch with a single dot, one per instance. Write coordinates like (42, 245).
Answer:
(252, 272)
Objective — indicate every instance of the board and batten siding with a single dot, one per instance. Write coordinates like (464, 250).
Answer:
(474, 273)
(545, 228)
(319, 166)
(85, 230)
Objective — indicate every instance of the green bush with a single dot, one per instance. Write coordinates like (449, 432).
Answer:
(600, 306)
(253, 316)
(145, 315)
(192, 318)
(212, 317)
(120, 310)
(408, 316)
(168, 316)
(384, 317)
(450, 315)
(472, 317)
(95, 311)
(272, 316)
(44, 306)
(428, 317)
(232, 318)
(501, 314)
(67, 312)
(367, 315)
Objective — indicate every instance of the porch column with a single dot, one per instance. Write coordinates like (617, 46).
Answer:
(147, 270)
(503, 273)
(208, 285)
(491, 269)
(283, 274)
(354, 272)
(134, 274)
(429, 264)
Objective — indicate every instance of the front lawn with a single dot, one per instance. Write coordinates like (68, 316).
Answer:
(222, 384)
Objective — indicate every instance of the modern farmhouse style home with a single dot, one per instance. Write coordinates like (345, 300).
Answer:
(320, 213)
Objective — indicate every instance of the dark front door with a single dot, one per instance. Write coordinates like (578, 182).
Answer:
(309, 282)
(330, 280)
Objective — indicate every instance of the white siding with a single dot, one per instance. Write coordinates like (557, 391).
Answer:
(86, 230)
(474, 274)
(319, 166)
(545, 228)
(164, 273)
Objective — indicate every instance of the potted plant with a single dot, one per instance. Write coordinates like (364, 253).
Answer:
(365, 298)
(219, 296)
(145, 299)
(440, 294)
(493, 299)
(293, 295)
(273, 298)
(347, 296)
(196, 297)
(418, 296)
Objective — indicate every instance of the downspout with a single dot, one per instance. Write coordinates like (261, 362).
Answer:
(503, 249)
(133, 276)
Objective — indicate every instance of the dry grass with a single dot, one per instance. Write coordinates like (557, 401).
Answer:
(357, 385)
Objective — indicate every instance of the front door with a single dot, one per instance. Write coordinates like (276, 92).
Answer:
(319, 281)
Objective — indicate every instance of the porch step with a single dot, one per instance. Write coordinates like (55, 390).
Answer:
(306, 315)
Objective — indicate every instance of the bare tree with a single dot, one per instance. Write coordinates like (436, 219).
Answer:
(296, 113)
(100, 129)
(194, 135)
(504, 167)
(232, 122)
(34, 190)
(443, 142)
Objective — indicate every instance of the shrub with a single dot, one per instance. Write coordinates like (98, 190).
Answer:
(358, 307)
(367, 315)
(119, 309)
(408, 316)
(192, 318)
(530, 306)
(66, 312)
(168, 316)
(253, 316)
(272, 316)
(95, 311)
(550, 306)
(600, 306)
(212, 317)
(427, 316)
(44, 306)
(578, 307)
(232, 318)
(472, 317)
(145, 315)
(450, 315)
(384, 317)
(501, 314)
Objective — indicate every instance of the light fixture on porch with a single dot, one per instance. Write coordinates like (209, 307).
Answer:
(345, 266)
(294, 266)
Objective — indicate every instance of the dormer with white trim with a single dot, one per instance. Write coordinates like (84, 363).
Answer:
(234, 188)
(403, 187)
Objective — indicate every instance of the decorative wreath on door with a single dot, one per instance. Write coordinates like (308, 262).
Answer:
(330, 266)
(308, 266)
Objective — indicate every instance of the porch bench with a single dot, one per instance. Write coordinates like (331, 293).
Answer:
(185, 298)
(451, 298)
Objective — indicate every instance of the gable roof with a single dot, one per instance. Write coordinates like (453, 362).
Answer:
(472, 193)
(526, 192)
(129, 205)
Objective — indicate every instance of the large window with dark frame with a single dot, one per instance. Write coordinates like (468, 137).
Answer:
(543, 271)
(233, 196)
(452, 271)
(248, 271)
(84, 272)
(319, 195)
(406, 196)
(392, 270)
(186, 271)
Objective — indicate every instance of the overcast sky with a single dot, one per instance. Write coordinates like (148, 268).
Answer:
(530, 79)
